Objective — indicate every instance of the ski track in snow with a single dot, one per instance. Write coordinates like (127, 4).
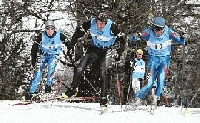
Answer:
(59, 112)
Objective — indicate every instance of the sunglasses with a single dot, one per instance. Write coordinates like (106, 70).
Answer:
(100, 21)
(49, 28)
(157, 28)
(139, 54)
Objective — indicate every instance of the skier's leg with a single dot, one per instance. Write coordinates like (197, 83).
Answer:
(162, 74)
(136, 85)
(136, 89)
(154, 98)
(105, 63)
(37, 76)
(86, 60)
(151, 77)
(79, 70)
(52, 63)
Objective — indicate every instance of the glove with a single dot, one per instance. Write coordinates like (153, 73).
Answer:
(182, 38)
(71, 53)
(33, 63)
(58, 57)
(118, 54)
(117, 57)
(138, 34)
(132, 38)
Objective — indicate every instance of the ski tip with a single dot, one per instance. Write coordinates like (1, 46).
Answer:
(22, 103)
(103, 108)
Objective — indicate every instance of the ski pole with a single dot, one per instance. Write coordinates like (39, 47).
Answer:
(119, 88)
(58, 88)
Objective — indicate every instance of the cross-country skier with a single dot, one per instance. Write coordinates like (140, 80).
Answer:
(158, 38)
(103, 32)
(138, 71)
(49, 45)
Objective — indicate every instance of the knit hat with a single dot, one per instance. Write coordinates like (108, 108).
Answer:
(49, 24)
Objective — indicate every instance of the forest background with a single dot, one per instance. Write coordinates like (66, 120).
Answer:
(20, 20)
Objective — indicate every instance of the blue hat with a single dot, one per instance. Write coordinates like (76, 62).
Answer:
(159, 21)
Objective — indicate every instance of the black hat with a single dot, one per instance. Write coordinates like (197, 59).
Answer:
(102, 17)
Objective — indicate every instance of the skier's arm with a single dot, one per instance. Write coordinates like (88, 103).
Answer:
(144, 35)
(35, 48)
(63, 39)
(119, 40)
(80, 31)
(120, 46)
(174, 37)
(114, 29)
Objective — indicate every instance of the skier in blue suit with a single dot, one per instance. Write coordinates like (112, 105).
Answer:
(103, 32)
(158, 39)
(138, 71)
(48, 46)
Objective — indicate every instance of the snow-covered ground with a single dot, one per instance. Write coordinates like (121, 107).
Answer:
(58, 112)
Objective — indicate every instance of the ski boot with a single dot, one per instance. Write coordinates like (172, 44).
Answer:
(47, 89)
(136, 101)
(71, 92)
(153, 104)
(135, 95)
(29, 97)
(103, 103)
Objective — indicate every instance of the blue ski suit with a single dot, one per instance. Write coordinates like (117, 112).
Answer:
(50, 48)
(159, 48)
(137, 74)
(139, 68)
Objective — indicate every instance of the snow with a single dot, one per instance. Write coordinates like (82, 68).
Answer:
(65, 112)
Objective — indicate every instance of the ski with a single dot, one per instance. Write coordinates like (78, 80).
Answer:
(53, 99)
(22, 103)
(103, 110)
(132, 107)
(75, 99)
(129, 108)
(152, 111)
